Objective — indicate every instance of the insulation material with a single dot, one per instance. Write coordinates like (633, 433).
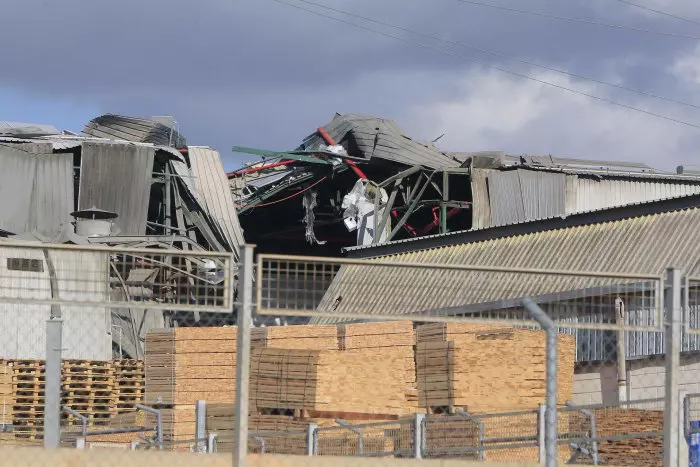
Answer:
(310, 203)
(359, 214)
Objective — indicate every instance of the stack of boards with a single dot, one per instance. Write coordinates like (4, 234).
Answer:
(487, 369)
(640, 451)
(385, 339)
(293, 436)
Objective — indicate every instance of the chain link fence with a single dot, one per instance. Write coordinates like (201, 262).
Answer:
(379, 359)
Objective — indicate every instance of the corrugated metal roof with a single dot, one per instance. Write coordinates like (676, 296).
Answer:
(214, 194)
(134, 129)
(365, 136)
(640, 245)
(26, 129)
(117, 178)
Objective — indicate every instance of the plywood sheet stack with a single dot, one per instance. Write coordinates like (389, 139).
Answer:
(385, 338)
(184, 365)
(641, 451)
(487, 369)
(328, 381)
(129, 384)
(306, 337)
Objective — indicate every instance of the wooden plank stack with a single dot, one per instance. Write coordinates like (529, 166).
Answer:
(641, 451)
(393, 337)
(129, 384)
(303, 337)
(487, 369)
(357, 382)
(184, 365)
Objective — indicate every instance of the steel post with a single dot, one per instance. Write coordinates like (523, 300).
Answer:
(418, 435)
(310, 439)
(541, 417)
(200, 429)
(673, 308)
(52, 409)
(551, 429)
(244, 319)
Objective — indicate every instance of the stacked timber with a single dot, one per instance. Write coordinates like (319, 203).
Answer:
(129, 384)
(326, 380)
(487, 369)
(644, 450)
(184, 365)
(281, 434)
(306, 337)
(384, 338)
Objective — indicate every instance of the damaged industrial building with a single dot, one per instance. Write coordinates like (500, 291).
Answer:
(357, 181)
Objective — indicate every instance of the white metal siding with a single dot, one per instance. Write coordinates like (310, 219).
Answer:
(589, 194)
(23, 326)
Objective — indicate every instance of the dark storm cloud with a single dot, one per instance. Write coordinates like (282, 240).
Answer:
(259, 73)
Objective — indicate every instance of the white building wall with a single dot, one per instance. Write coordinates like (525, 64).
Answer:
(646, 379)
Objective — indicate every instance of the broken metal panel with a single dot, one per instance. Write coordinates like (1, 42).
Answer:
(52, 195)
(134, 129)
(16, 183)
(481, 210)
(117, 178)
(214, 194)
(380, 138)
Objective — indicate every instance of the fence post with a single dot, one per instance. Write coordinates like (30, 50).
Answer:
(52, 401)
(542, 416)
(200, 429)
(244, 318)
(311, 439)
(418, 435)
(673, 338)
(551, 428)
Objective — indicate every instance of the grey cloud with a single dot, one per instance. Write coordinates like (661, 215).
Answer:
(259, 73)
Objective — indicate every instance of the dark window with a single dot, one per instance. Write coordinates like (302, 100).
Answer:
(25, 264)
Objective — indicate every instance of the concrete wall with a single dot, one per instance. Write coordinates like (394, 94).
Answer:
(35, 457)
(596, 384)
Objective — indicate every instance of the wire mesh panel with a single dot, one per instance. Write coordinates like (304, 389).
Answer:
(331, 289)
(91, 276)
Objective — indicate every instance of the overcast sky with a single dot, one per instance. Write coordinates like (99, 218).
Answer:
(258, 73)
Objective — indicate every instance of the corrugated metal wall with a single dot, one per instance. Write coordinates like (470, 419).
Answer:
(520, 195)
(16, 183)
(594, 193)
(52, 196)
(516, 196)
(117, 177)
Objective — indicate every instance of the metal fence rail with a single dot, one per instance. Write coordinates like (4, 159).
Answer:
(96, 276)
